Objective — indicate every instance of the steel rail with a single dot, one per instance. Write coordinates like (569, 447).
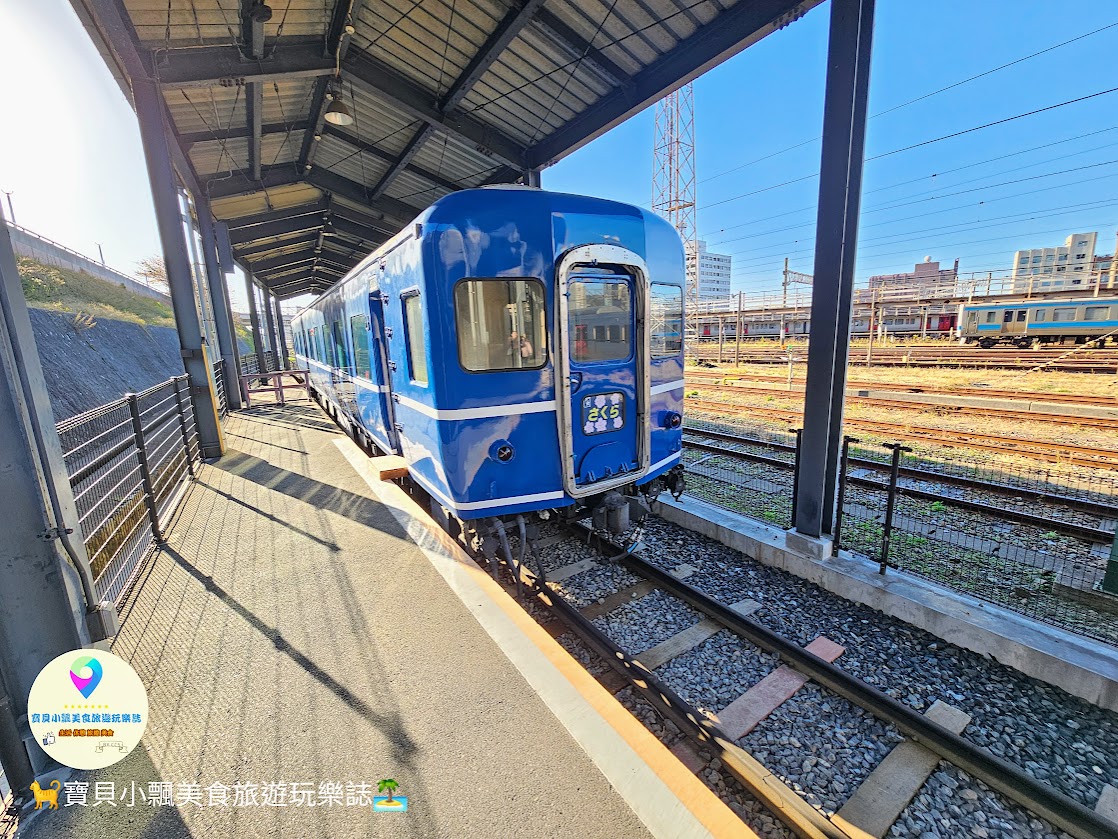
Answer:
(1061, 810)
(1023, 396)
(909, 405)
(1077, 531)
(1048, 452)
(1107, 511)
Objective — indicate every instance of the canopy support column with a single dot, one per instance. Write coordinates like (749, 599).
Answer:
(176, 258)
(836, 239)
(219, 297)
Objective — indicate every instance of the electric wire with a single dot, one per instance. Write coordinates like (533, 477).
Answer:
(922, 97)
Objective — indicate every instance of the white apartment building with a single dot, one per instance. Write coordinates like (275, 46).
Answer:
(713, 268)
(1047, 269)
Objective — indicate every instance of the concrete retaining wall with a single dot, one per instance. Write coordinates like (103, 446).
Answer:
(44, 250)
(86, 368)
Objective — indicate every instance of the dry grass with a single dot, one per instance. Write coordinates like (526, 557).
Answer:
(940, 377)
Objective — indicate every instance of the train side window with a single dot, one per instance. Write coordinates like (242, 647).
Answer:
(1097, 313)
(665, 336)
(600, 315)
(1063, 315)
(413, 326)
(359, 332)
(501, 325)
(991, 316)
(1038, 316)
(1007, 317)
(341, 354)
(1021, 315)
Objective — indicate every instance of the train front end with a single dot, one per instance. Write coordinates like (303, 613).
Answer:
(584, 347)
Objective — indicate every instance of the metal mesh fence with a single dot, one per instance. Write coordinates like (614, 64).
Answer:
(1032, 537)
(255, 363)
(219, 384)
(128, 462)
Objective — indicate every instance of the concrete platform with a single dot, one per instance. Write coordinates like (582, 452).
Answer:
(293, 632)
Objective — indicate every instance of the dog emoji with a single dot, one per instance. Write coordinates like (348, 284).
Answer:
(46, 796)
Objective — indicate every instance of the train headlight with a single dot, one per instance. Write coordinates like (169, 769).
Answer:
(673, 419)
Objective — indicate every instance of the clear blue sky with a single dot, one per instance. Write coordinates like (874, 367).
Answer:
(79, 177)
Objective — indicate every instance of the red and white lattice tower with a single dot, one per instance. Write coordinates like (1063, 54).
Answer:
(673, 175)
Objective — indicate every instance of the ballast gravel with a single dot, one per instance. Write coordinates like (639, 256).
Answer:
(1049, 733)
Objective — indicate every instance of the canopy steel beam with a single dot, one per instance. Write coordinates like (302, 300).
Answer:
(505, 33)
(579, 48)
(338, 41)
(379, 153)
(227, 66)
(252, 33)
(511, 25)
(192, 138)
(225, 186)
(732, 31)
(271, 229)
(316, 208)
(395, 213)
(420, 104)
(265, 267)
(248, 252)
(836, 242)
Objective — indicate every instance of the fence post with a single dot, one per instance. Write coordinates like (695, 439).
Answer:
(844, 465)
(1110, 579)
(182, 425)
(145, 471)
(796, 472)
(887, 527)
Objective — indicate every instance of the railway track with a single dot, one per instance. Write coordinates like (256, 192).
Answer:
(998, 413)
(1025, 396)
(1099, 361)
(1035, 449)
(716, 443)
(721, 735)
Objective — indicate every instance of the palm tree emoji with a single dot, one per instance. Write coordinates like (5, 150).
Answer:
(387, 785)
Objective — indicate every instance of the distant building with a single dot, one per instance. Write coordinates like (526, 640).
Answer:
(925, 280)
(714, 271)
(1106, 269)
(1047, 269)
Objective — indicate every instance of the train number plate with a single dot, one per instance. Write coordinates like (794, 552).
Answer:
(603, 412)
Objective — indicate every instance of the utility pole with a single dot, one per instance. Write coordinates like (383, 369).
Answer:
(101, 252)
(873, 324)
(785, 298)
(11, 209)
(737, 335)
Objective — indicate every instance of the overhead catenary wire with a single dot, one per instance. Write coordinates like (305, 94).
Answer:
(924, 96)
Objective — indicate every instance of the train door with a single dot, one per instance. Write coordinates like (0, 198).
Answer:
(1014, 321)
(603, 368)
(383, 423)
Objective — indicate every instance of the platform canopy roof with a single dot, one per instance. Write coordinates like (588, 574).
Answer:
(443, 94)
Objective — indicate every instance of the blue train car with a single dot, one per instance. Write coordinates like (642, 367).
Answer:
(1080, 320)
(521, 349)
